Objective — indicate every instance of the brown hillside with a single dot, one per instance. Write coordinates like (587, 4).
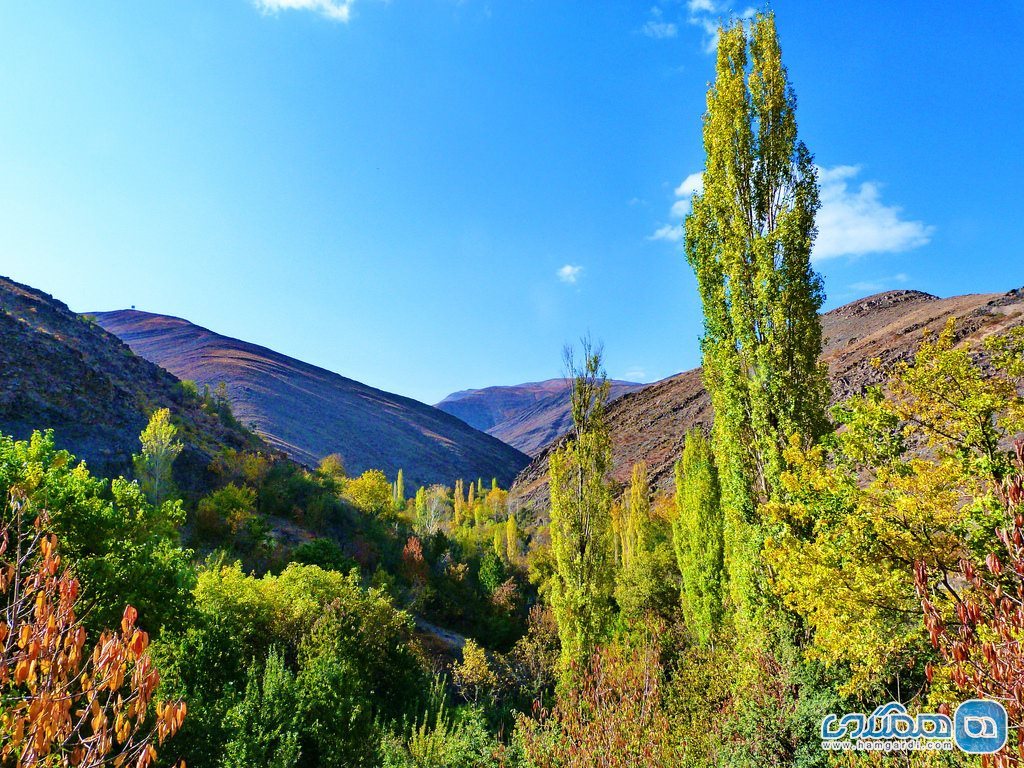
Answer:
(649, 425)
(61, 371)
(309, 412)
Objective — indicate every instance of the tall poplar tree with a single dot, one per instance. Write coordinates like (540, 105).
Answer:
(748, 238)
(581, 535)
(697, 537)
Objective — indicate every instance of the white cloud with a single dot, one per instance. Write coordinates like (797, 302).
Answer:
(660, 30)
(671, 232)
(708, 14)
(879, 284)
(657, 27)
(854, 221)
(702, 6)
(570, 273)
(335, 10)
(691, 185)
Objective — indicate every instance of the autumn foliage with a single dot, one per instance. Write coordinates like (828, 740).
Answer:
(982, 648)
(62, 704)
(610, 717)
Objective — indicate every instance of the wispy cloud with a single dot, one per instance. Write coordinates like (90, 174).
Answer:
(708, 15)
(657, 27)
(853, 221)
(335, 10)
(636, 373)
(674, 232)
(570, 273)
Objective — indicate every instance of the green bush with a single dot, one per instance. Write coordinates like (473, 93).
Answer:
(122, 548)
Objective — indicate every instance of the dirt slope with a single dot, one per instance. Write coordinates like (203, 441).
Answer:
(649, 425)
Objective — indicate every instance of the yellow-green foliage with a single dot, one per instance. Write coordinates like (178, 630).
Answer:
(159, 450)
(581, 536)
(371, 493)
(697, 536)
(748, 239)
(860, 510)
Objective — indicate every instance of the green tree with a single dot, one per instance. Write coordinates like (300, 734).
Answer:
(636, 521)
(159, 450)
(324, 553)
(229, 508)
(645, 580)
(371, 493)
(332, 467)
(749, 239)
(122, 548)
(581, 536)
(264, 723)
(358, 670)
(862, 509)
(399, 493)
(512, 539)
(697, 536)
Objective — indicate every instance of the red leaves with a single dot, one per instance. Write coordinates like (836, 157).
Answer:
(128, 620)
(984, 654)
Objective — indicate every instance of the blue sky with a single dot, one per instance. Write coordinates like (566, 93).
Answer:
(430, 195)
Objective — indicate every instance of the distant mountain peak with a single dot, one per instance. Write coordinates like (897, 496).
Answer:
(527, 416)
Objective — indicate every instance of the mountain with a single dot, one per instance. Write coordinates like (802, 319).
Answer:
(309, 412)
(650, 424)
(61, 371)
(526, 416)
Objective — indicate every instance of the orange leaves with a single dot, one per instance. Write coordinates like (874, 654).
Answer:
(128, 620)
(61, 705)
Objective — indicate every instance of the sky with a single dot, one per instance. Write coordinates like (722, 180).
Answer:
(434, 195)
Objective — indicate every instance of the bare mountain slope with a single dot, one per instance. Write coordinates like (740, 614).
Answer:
(650, 424)
(61, 371)
(526, 416)
(309, 412)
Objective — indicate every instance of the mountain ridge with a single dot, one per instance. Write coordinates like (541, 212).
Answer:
(61, 371)
(526, 416)
(650, 424)
(308, 412)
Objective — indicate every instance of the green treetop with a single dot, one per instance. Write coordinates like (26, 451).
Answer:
(159, 450)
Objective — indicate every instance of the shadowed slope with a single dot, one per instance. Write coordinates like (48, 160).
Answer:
(61, 371)
(309, 412)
